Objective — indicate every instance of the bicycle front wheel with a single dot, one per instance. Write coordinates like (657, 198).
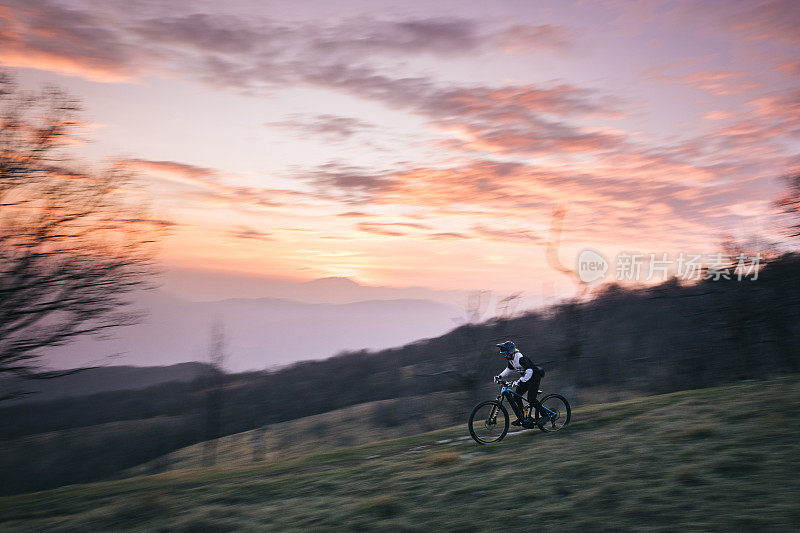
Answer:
(556, 414)
(488, 422)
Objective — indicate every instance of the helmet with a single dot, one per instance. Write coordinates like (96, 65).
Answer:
(507, 348)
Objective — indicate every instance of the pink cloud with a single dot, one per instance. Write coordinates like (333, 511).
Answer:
(524, 38)
(447, 235)
(48, 36)
(791, 68)
(390, 228)
(719, 114)
(248, 233)
(211, 185)
(719, 83)
(113, 44)
(778, 19)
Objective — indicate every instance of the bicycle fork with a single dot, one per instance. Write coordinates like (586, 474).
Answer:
(495, 408)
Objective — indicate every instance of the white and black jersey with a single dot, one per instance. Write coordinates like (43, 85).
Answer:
(519, 365)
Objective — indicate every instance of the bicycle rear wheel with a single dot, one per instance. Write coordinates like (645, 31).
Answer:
(559, 406)
(488, 422)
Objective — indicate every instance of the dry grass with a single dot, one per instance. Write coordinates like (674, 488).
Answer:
(352, 426)
(628, 466)
(443, 458)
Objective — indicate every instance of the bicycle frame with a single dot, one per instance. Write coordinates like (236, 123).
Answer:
(530, 404)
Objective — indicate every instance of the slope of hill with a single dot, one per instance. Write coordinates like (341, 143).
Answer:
(721, 459)
(350, 426)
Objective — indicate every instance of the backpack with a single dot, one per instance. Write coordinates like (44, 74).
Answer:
(540, 370)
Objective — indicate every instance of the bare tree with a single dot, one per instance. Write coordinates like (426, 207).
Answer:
(574, 331)
(469, 365)
(214, 385)
(471, 361)
(74, 244)
(789, 203)
(257, 443)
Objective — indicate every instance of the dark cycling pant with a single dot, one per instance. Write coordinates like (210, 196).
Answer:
(532, 388)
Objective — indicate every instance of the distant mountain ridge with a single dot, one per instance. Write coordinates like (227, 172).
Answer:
(207, 286)
(261, 332)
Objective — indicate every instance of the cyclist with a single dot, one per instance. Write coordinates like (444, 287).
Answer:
(528, 379)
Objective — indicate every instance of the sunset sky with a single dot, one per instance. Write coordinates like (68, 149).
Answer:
(422, 143)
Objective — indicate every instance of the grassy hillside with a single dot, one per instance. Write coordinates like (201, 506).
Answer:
(716, 459)
(351, 426)
(82, 455)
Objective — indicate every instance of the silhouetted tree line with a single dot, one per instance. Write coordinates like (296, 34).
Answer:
(646, 340)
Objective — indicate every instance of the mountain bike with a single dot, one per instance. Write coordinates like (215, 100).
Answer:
(488, 422)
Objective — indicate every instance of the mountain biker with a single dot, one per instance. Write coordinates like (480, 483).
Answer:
(528, 379)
